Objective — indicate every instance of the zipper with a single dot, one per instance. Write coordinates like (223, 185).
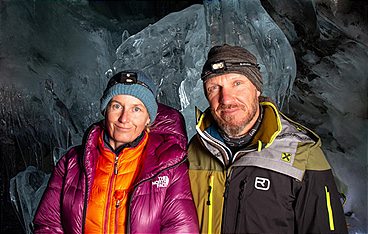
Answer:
(86, 181)
(116, 164)
(116, 214)
(108, 203)
(85, 203)
(240, 198)
(329, 209)
(222, 147)
(139, 183)
(228, 172)
(210, 202)
(119, 198)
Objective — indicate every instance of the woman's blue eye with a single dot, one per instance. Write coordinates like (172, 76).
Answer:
(136, 109)
(116, 106)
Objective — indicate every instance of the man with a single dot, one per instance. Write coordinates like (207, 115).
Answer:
(252, 169)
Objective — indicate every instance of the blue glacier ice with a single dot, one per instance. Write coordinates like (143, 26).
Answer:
(174, 49)
(53, 72)
(247, 24)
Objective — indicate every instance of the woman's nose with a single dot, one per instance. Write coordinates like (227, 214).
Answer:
(124, 116)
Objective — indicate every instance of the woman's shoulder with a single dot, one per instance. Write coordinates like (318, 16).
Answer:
(169, 121)
(74, 154)
(71, 157)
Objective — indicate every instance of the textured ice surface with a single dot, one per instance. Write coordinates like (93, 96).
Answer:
(53, 73)
(26, 190)
(174, 49)
(246, 23)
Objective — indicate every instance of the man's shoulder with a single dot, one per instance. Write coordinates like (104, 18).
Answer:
(309, 155)
(294, 128)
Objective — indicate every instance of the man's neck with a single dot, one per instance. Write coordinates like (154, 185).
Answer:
(249, 126)
(243, 139)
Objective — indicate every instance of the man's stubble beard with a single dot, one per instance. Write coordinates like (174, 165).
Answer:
(227, 122)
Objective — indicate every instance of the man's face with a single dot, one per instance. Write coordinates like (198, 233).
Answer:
(234, 102)
(126, 118)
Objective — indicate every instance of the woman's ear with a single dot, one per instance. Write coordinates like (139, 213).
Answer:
(147, 127)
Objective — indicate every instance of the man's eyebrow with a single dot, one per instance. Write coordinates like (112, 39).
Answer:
(238, 76)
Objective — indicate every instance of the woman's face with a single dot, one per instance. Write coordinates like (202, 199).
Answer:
(126, 118)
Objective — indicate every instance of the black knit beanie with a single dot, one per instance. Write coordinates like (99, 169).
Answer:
(232, 59)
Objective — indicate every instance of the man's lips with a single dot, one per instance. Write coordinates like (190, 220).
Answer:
(231, 110)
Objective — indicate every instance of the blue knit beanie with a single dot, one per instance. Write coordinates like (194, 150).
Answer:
(135, 83)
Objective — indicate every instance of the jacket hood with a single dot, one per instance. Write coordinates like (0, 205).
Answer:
(167, 142)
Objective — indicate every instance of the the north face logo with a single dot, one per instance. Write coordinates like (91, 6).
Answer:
(161, 182)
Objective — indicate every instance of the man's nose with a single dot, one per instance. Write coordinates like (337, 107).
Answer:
(226, 95)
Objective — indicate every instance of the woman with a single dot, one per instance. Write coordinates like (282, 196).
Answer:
(125, 177)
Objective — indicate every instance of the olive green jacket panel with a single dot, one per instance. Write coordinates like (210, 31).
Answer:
(286, 147)
(208, 198)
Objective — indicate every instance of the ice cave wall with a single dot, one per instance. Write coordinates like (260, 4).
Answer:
(54, 57)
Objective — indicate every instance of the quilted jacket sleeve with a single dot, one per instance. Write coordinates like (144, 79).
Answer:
(48, 215)
(179, 214)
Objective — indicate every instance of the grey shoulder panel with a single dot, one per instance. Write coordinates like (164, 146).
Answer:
(278, 157)
(281, 154)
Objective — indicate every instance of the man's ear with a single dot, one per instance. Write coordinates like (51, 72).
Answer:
(258, 93)
(205, 90)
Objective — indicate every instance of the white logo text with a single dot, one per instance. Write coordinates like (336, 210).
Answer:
(161, 182)
(262, 183)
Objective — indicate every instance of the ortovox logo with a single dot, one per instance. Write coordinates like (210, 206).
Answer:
(161, 182)
(262, 183)
(286, 157)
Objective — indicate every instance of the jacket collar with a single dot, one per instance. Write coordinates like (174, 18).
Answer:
(268, 130)
(118, 150)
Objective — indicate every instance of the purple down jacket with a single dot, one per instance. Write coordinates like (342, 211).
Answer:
(161, 201)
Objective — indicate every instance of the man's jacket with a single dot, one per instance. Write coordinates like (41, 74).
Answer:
(161, 200)
(281, 183)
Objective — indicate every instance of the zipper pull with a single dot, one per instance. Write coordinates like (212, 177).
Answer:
(227, 182)
(241, 192)
(119, 195)
(209, 201)
(116, 165)
(210, 186)
(117, 203)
